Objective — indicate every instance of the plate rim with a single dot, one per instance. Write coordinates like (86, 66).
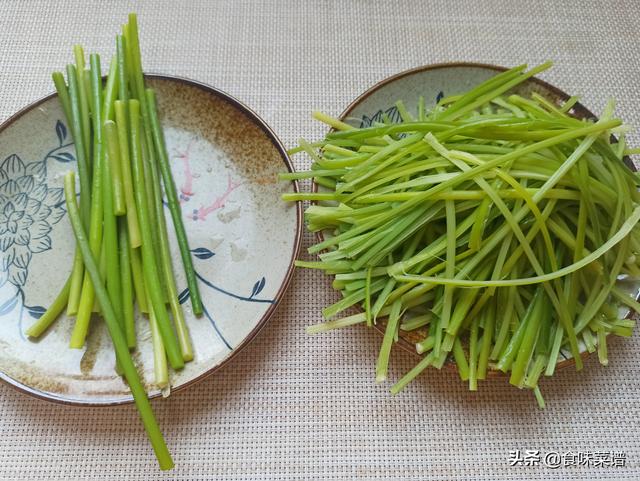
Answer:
(284, 285)
(579, 108)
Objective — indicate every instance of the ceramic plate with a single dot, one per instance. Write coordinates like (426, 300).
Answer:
(433, 82)
(243, 240)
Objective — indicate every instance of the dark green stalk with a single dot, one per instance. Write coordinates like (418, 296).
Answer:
(63, 95)
(126, 283)
(150, 192)
(174, 204)
(86, 79)
(387, 342)
(119, 342)
(530, 337)
(123, 69)
(83, 98)
(138, 279)
(473, 354)
(110, 91)
(487, 338)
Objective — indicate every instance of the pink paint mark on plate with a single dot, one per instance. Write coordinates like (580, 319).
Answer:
(186, 190)
(218, 202)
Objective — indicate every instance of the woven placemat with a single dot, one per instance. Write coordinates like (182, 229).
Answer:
(294, 407)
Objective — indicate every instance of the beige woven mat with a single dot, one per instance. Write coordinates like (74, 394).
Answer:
(293, 407)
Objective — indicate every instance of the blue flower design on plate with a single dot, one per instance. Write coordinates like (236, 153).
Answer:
(203, 253)
(28, 210)
(388, 116)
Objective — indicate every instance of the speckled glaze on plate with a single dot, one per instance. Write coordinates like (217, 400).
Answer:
(433, 82)
(225, 161)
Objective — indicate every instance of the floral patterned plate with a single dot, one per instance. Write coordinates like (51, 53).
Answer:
(225, 161)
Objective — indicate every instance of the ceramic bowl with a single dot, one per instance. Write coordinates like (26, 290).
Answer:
(433, 82)
(225, 161)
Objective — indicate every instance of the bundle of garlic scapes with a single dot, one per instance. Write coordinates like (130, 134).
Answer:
(123, 256)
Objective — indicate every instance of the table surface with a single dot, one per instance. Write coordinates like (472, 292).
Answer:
(294, 407)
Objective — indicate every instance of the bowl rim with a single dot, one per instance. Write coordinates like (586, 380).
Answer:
(578, 109)
(256, 120)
